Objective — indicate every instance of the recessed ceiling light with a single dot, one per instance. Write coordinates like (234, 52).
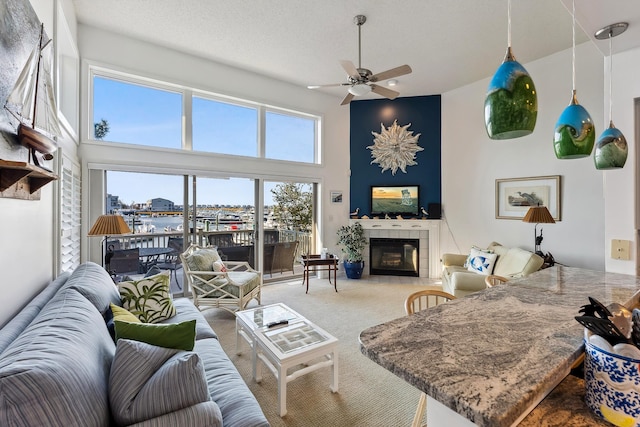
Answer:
(392, 82)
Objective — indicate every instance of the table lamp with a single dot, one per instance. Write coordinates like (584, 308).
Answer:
(108, 225)
(538, 215)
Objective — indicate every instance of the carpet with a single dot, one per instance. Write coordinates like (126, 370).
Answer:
(368, 395)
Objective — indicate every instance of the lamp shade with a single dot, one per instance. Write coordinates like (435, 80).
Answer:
(539, 215)
(511, 104)
(109, 225)
(574, 133)
(611, 149)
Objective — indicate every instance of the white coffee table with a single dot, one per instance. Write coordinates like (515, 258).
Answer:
(299, 343)
(249, 321)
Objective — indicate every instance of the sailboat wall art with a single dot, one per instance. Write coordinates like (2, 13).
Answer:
(29, 115)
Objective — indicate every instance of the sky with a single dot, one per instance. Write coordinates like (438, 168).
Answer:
(153, 117)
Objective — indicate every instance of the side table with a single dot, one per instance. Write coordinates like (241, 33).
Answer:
(315, 263)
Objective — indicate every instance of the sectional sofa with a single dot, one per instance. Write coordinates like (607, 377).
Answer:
(57, 357)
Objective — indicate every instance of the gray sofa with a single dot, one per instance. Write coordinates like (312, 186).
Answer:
(56, 355)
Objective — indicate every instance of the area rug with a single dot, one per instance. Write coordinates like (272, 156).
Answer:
(368, 395)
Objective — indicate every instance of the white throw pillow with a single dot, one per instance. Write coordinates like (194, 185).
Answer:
(481, 262)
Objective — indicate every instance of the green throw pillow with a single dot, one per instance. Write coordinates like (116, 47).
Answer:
(123, 314)
(203, 259)
(149, 298)
(181, 336)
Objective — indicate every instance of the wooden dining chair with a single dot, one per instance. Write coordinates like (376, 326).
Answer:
(415, 302)
(493, 280)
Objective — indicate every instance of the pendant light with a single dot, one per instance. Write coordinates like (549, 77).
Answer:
(611, 148)
(511, 104)
(575, 133)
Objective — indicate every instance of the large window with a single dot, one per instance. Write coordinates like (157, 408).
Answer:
(136, 114)
(290, 137)
(137, 111)
(224, 128)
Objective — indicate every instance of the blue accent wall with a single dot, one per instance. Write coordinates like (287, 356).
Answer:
(423, 112)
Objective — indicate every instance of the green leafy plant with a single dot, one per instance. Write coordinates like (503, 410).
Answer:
(352, 241)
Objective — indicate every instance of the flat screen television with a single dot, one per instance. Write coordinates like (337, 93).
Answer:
(395, 200)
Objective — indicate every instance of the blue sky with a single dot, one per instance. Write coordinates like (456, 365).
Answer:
(153, 117)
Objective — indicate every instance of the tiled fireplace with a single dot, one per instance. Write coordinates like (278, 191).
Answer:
(427, 232)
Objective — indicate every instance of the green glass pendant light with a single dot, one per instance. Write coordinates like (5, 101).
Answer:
(611, 148)
(511, 104)
(575, 133)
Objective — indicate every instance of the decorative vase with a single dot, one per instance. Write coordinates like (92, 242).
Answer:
(354, 269)
(511, 104)
(575, 133)
(611, 149)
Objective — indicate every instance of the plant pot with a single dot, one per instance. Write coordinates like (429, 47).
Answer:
(353, 269)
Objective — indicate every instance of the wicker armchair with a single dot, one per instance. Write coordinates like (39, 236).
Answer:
(230, 285)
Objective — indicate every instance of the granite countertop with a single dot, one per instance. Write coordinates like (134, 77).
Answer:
(494, 355)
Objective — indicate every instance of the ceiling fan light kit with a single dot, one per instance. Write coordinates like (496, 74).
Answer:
(575, 132)
(360, 80)
(611, 147)
(511, 104)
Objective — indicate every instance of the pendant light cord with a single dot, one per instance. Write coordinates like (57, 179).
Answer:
(509, 23)
(573, 55)
(610, 78)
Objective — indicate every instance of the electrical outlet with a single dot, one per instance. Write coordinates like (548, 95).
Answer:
(621, 249)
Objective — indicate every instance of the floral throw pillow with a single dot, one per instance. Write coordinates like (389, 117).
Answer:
(481, 262)
(148, 299)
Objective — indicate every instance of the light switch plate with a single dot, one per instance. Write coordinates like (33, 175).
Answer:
(621, 249)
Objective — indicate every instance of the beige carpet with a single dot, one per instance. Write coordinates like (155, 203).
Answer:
(369, 395)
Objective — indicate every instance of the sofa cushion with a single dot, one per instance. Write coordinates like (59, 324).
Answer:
(148, 381)
(227, 388)
(95, 284)
(517, 263)
(481, 262)
(57, 371)
(187, 311)
(179, 336)
(148, 298)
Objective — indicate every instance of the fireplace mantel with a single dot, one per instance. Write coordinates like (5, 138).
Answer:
(411, 228)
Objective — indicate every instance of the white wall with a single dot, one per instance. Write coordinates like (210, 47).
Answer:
(471, 162)
(620, 186)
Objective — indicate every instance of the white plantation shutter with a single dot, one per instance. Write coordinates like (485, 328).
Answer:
(70, 216)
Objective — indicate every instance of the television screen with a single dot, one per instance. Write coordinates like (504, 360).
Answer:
(395, 200)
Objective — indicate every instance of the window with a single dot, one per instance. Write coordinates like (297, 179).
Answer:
(290, 137)
(70, 214)
(220, 127)
(137, 114)
(137, 111)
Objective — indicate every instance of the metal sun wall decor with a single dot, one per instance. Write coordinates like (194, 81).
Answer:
(394, 147)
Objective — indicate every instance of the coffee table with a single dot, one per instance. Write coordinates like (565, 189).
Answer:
(300, 343)
(255, 319)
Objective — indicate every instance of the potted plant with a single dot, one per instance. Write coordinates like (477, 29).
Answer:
(352, 241)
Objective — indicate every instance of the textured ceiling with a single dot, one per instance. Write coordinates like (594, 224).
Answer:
(448, 43)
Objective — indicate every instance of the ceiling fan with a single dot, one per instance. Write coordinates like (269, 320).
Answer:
(361, 80)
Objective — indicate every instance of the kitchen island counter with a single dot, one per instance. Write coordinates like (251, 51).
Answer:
(492, 356)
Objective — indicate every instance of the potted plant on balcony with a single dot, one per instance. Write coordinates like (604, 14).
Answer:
(352, 241)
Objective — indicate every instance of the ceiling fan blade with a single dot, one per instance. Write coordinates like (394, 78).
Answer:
(347, 99)
(351, 69)
(387, 93)
(330, 85)
(389, 74)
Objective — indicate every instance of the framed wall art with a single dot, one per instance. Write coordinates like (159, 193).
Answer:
(514, 196)
(336, 197)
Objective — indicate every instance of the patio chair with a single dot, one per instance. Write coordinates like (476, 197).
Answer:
(230, 285)
(284, 257)
(221, 240)
(124, 262)
(415, 302)
(172, 261)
